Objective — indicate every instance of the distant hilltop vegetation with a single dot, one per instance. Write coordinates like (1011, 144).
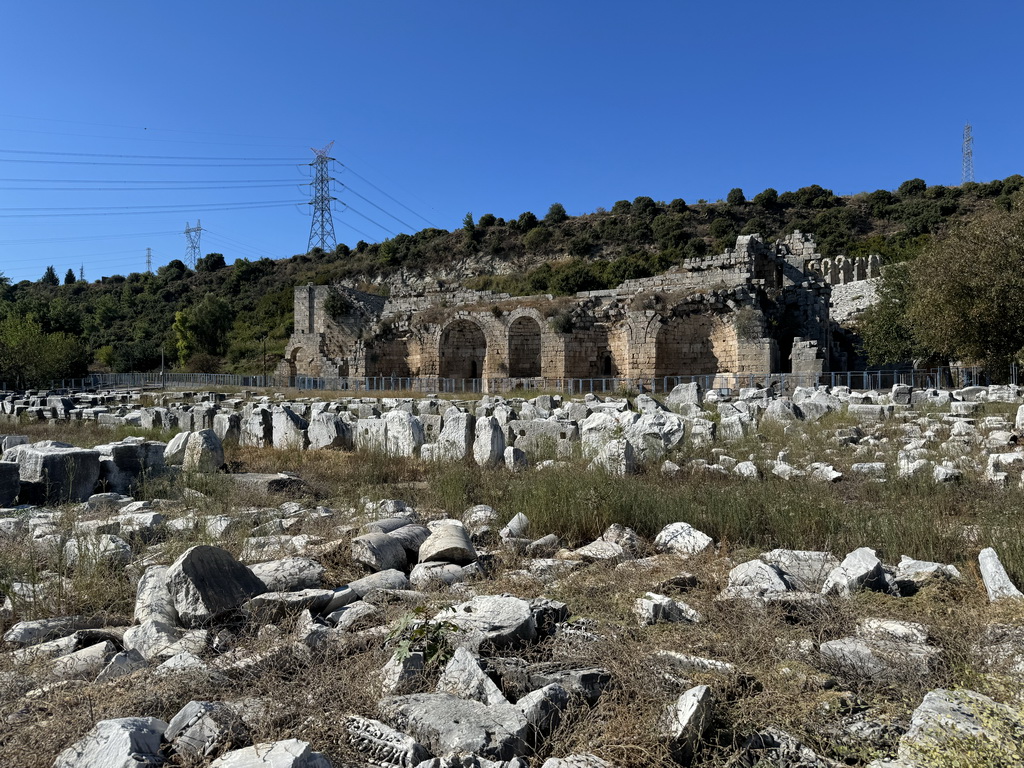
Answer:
(237, 317)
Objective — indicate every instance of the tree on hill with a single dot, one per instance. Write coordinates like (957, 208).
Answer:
(959, 300)
(49, 277)
(69, 277)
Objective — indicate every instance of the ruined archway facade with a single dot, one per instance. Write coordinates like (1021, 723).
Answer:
(715, 314)
(462, 351)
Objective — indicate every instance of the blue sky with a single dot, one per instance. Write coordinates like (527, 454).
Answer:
(446, 107)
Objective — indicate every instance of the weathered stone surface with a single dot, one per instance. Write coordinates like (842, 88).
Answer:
(10, 483)
(383, 745)
(687, 719)
(759, 575)
(40, 630)
(997, 581)
(912, 574)
(153, 639)
(449, 544)
(289, 429)
(389, 579)
(489, 445)
(861, 569)
(879, 660)
(174, 453)
(463, 677)
(203, 452)
(446, 724)
(290, 753)
(127, 742)
(62, 471)
(203, 728)
(616, 457)
(682, 539)
(953, 715)
(652, 608)
(498, 621)
(207, 582)
(289, 574)
(379, 552)
(404, 433)
(328, 430)
(803, 570)
(102, 548)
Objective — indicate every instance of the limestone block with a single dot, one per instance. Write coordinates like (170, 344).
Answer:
(62, 471)
(450, 544)
(997, 581)
(329, 430)
(289, 430)
(227, 427)
(290, 753)
(861, 569)
(203, 452)
(127, 742)
(489, 445)
(174, 453)
(682, 539)
(208, 582)
(404, 433)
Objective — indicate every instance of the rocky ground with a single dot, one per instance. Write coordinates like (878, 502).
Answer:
(202, 610)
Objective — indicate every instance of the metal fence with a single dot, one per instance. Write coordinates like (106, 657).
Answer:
(919, 378)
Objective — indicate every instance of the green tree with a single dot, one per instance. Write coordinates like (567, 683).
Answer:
(912, 188)
(769, 198)
(735, 197)
(69, 277)
(202, 328)
(556, 214)
(29, 357)
(527, 221)
(468, 225)
(967, 293)
(211, 262)
(49, 277)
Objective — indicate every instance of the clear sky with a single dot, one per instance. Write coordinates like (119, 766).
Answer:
(452, 106)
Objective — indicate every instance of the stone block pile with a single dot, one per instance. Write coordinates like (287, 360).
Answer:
(504, 686)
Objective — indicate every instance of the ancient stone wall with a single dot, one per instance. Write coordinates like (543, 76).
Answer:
(707, 315)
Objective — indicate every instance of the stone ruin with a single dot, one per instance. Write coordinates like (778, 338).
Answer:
(756, 308)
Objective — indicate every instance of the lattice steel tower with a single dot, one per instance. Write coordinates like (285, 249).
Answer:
(321, 231)
(192, 250)
(967, 174)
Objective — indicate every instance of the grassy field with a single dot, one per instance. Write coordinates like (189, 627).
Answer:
(776, 683)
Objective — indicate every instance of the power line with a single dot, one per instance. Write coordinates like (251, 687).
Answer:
(150, 189)
(357, 213)
(174, 209)
(290, 160)
(389, 197)
(151, 165)
(410, 226)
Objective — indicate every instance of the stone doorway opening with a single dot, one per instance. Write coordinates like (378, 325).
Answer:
(524, 348)
(463, 350)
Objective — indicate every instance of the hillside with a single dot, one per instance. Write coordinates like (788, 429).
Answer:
(223, 317)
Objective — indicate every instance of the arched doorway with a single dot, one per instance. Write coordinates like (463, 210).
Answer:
(463, 350)
(692, 344)
(524, 348)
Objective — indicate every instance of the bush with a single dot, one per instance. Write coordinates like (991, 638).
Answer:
(735, 197)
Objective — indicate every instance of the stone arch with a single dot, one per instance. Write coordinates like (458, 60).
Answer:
(695, 343)
(462, 350)
(294, 362)
(524, 347)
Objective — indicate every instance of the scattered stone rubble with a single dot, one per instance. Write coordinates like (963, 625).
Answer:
(942, 436)
(489, 706)
(495, 701)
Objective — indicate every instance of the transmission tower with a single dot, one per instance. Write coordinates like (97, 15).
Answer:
(149, 260)
(967, 174)
(321, 231)
(192, 250)
(81, 272)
